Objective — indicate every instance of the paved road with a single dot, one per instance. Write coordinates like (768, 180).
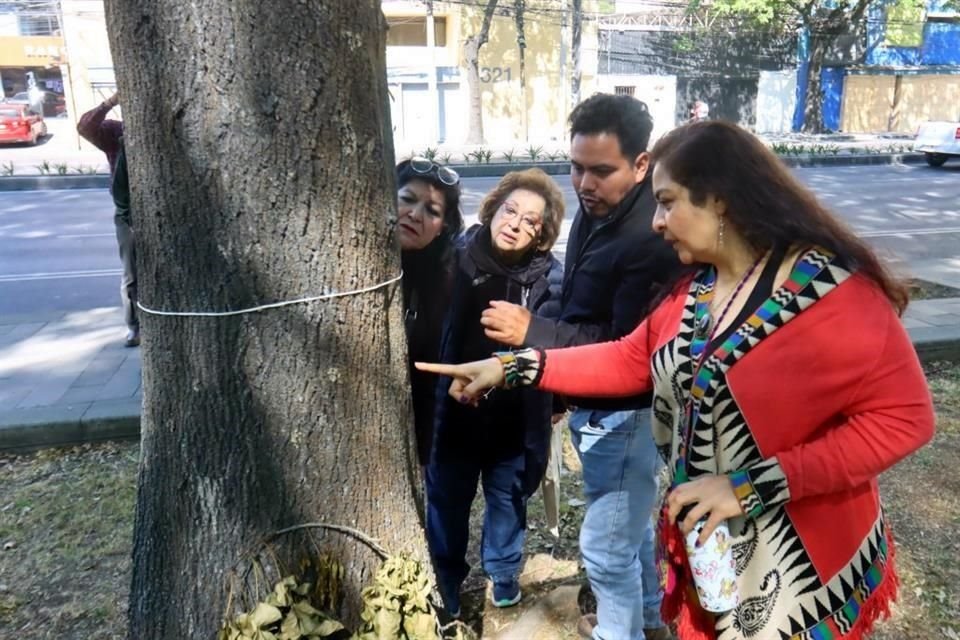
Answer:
(58, 251)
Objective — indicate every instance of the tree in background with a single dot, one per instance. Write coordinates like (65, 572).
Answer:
(262, 171)
(827, 23)
(471, 55)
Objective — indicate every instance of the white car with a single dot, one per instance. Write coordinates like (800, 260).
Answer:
(938, 141)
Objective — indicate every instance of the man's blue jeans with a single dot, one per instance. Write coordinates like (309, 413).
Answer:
(451, 488)
(620, 464)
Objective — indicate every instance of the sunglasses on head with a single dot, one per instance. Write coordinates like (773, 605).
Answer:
(424, 166)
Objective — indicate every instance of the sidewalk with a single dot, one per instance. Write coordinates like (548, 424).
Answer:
(67, 379)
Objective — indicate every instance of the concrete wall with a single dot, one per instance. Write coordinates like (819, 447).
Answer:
(719, 66)
(658, 92)
(776, 101)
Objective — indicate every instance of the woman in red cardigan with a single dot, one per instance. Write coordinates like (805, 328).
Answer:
(784, 384)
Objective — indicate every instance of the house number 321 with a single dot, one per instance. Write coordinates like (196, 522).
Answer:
(494, 74)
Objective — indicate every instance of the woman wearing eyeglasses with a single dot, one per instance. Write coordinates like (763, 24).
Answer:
(502, 441)
(783, 382)
(428, 223)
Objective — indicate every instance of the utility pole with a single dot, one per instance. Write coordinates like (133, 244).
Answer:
(564, 86)
(519, 7)
(575, 44)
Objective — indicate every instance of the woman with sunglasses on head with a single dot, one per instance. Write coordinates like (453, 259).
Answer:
(502, 441)
(428, 224)
(784, 383)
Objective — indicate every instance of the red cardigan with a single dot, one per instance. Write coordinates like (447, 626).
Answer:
(805, 414)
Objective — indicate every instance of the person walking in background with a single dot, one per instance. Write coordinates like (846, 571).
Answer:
(502, 441)
(615, 266)
(428, 223)
(107, 135)
(699, 111)
(784, 384)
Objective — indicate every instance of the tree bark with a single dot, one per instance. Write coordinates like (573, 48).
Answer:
(471, 56)
(813, 96)
(262, 171)
(519, 9)
(825, 26)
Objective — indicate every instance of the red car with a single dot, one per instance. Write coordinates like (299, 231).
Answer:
(19, 124)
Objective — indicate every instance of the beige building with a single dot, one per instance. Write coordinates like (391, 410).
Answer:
(58, 52)
(88, 67)
(31, 50)
(427, 72)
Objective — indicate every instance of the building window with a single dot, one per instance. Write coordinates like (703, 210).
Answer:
(39, 25)
(624, 91)
(411, 31)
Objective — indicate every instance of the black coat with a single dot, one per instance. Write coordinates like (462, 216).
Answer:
(507, 423)
(615, 267)
(427, 280)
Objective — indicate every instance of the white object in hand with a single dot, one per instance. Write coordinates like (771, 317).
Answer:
(714, 569)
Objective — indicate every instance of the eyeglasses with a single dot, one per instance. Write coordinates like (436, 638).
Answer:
(528, 224)
(444, 174)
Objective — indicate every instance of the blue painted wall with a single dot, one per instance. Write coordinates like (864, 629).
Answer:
(940, 46)
(831, 79)
(941, 43)
(831, 82)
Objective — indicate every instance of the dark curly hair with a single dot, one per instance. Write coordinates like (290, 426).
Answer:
(452, 217)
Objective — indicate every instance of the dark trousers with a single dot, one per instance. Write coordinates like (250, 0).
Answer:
(128, 281)
(451, 488)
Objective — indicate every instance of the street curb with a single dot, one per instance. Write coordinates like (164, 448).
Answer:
(498, 169)
(854, 160)
(51, 183)
(935, 344)
(28, 429)
(491, 170)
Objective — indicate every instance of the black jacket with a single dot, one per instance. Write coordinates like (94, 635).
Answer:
(615, 268)
(427, 281)
(507, 423)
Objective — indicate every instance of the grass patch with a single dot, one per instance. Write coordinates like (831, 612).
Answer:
(926, 290)
(68, 515)
(66, 523)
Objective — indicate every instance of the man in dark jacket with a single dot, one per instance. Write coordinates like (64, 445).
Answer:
(615, 267)
(107, 135)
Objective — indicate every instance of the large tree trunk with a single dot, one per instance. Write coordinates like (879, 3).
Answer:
(813, 96)
(261, 165)
(471, 57)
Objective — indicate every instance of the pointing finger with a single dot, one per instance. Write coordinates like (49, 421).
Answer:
(442, 369)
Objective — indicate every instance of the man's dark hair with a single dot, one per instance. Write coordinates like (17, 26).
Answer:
(623, 116)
